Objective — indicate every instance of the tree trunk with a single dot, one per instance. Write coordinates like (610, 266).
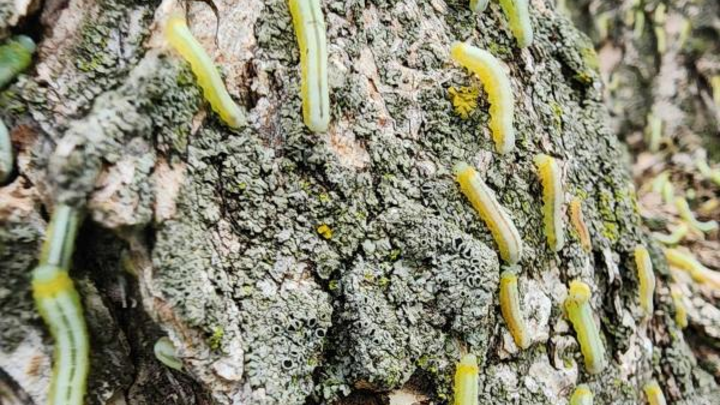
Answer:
(210, 236)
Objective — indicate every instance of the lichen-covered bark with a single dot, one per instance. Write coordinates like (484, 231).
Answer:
(291, 267)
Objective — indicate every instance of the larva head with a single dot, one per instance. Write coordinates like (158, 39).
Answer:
(542, 160)
(176, 21)
(165, 351)
(25, 42)
(508, 277)
(460, 168)
(579, 292)
(468, 364)
(457, 49)
(478, 6)
(236, 120)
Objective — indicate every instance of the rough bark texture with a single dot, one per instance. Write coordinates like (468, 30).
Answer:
(210, 236)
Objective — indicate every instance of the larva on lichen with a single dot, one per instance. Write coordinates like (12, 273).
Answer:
(578, 221)
(492, 213)
(680, 310)
(582, 396)
(697, 271)
(654, 394)
(518, 15)
(478, 6)
(6, 153)
(309, 26)
(208, 77)
(510, 308)
(15, 56)
(579, 311)
(553, 200)
(165, 352)
(646, 277)
(497, 86)
(466, 381)
(59, 305)
(686, 214)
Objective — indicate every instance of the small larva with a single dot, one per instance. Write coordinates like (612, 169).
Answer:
(553, 200)
(466, 381)
(15, 56)
(497, 86)
(165, 352)
(686, 214)
(582, 396)
(578, 221)
(309, 26)
(478, 6)
(680, 310)
(675, 237)
(208, 77)
(646, 277)
(654, 394)
(518, 15)
(61, 232)
(697, 271)
(577, 306)
(492, 213)
(510, 308)
(6, 153)
(704, 168)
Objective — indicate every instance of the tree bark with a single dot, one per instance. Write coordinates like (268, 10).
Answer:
(210, 236)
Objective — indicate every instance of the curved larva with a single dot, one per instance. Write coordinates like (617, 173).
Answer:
(553, 200)
(165, 352)
(492, 213)
(510, 308)
(646, 277)
(466, 381)
(582, 396)
(577, 306)
(478, 6)
(675, 237)
(697, 271)
(686, 214)
(208, 77)
(497, 86)
(680, 310)
(518, 15)
(6, 153)
(59, 305)
(654, 394)
(578, 221)
(15, 56)
(309, 26)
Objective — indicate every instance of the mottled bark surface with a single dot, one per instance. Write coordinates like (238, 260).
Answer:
(210, 236)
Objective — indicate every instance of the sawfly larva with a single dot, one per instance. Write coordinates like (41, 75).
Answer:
(15, 57)
(646, 277)
(579, 311)
(466, 381)
(510, 308)
(553, 200)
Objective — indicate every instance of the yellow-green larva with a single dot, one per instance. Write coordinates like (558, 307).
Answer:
(582, 396)
(697, 271)
(553, 200)
(578, 221)
(15, 56)
(497, 86)
(654, 393)
(646, 277)
(208, 77)
(478, 6)
(165, 351)
(579, 311)
(705, 170)
(510, 308)
(518, 15)
(491, 212)
(6, 153)
(466, 381)
(309, 24)
(675, 237)
(680, 310)
(59, 305)
(687, 215)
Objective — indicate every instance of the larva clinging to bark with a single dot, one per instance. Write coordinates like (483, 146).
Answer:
(579, 311)
(654, 393)
(497, 86)
(510, 308)
(208, 77)
(309, 26)
(15, 56)
(492, 213)
(165, 352)
(646, 277)
(6, 153)
(466, 381)
(518, 15)
(478, 6)
(578, 220)
(59, 305)
(582, 396)
(553, 200)
(680, 310)
(697, 271)
(687, 215)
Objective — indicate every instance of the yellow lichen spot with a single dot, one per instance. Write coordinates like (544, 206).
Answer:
(699, 273)
(579, 312)
(582, 396)
(578, 221)
(466, 381)
(646, 278)
(654, 393)
(510, 308)
(680, 311)
(464, 100)
(325, 231)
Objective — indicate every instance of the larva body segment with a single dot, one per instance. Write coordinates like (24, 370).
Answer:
(478, 6)
(15, 56)
(491, 212)
(680, 310)
(697, 271)
(687, 215)
(510, 308)
(578, 221)
(577, 306)
(59, 305)
(518, 15)
(654, 393)
(582, 396)
(646, 277)
(6, 153)
(165, 352)
(553, 200)
(208, 77)
(497, 86)
(466, 381)
(309, 26)
(61, 233)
